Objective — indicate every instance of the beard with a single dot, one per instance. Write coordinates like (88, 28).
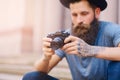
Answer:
(86, 32)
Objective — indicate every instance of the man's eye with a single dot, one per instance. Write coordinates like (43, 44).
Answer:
(74, 15)
(84, 13)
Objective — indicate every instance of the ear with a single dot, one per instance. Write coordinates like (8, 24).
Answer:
(97, 12)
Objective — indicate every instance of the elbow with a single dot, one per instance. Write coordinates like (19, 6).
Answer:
(36, 66)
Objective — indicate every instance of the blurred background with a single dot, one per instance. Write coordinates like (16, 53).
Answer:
(23, 24)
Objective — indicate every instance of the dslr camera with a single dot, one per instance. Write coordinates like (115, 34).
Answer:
(58, 39)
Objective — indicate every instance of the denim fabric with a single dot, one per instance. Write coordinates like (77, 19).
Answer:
(94, 68)
(37, 76)
(114, 71)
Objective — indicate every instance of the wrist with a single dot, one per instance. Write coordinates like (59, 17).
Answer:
(93, 51)
(87, 51)
(46, 57)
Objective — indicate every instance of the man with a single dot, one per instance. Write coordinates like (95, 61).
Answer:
(92, 50)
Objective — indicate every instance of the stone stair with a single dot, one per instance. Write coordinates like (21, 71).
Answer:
(20, 65)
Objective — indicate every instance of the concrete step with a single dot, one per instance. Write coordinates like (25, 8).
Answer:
(58, 72)
(19, 65)
(6, 76)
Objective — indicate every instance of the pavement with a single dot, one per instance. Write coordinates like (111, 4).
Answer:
(14, 67)
(5, 76)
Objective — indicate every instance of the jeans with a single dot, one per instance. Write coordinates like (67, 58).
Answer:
(114, 71)
(37, 76)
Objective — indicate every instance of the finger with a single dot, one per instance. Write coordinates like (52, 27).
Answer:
(73, 46)
(47, 39)
(70, 49)
(47, 50)
(76, 49)
(46, 42)
(70, 39)
(68, 45)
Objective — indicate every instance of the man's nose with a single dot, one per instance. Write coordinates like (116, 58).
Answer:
(79, 19)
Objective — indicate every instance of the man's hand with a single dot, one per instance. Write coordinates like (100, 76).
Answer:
(44, 64)
(47, 50)
(78, 46)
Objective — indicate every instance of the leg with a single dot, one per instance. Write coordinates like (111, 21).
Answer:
(37, 76)
(114, 71)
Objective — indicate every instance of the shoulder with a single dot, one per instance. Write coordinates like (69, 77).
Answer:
(110, 31)
(109, 27)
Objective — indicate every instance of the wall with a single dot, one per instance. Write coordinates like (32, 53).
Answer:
(11, 23)
(23, 23)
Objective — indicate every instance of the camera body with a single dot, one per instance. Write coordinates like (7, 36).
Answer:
(58, 39)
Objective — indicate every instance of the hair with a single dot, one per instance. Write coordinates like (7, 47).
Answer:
(91, 34)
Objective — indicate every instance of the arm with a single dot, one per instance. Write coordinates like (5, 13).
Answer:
(108, 53)
(45, 65)
(79, 47)
(49, 58)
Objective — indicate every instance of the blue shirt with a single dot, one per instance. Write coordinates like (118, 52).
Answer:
(93, 68)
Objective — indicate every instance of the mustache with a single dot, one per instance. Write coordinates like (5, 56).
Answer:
(82, 26)
(80, 29)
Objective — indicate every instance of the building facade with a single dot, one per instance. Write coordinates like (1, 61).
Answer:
(23, 23)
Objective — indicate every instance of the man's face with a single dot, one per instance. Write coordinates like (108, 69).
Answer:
(82, 15)
(85, 21)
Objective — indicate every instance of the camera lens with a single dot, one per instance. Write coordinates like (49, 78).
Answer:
(57, 43)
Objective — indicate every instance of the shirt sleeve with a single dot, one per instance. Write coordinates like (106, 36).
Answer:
(116, 39)
(60, 53)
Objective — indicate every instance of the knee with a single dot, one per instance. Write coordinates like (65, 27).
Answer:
(37, 76)
(32, 76)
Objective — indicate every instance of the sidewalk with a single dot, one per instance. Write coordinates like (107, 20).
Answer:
(6, 76)
(19, 65)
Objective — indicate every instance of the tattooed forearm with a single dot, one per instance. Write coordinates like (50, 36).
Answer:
(86, 50)
(96, 49)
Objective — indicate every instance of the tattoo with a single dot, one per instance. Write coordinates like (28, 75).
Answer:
(86, 50)
(97, 49)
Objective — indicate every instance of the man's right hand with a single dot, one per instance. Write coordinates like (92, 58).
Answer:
(42, 64)
(47, 50)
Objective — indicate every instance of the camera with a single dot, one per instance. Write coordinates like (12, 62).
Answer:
(58, 39)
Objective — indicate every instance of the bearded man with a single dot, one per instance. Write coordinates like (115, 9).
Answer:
(92, 50)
